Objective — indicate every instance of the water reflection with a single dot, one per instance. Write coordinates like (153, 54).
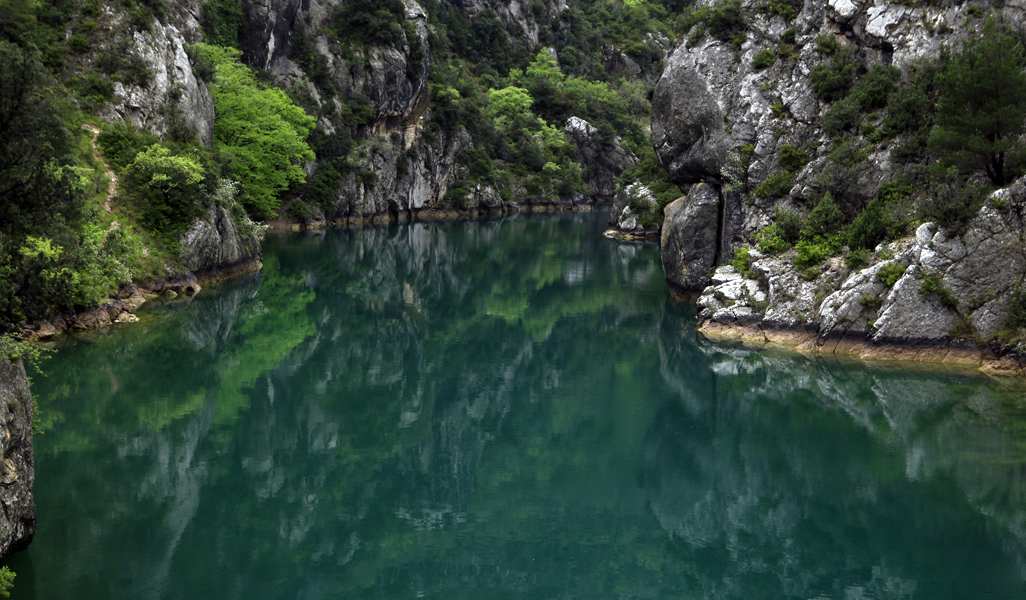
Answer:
(503, 409)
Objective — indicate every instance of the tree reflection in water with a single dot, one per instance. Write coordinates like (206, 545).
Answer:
(503, 409)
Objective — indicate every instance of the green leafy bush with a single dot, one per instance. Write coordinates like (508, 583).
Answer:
(890, 273)
(372, 22)
(1016, 307)
(785, 8)
(982, 109)
(222, 22)
(871, 302)
(840, 173)
(775, 186)
(790, 222)
(870, 227)
(6, 581)
(169, 187)
(770, 240)
(120, 142)
(833, 79)
(856, 259)
(792, 159)
(951, 203)
(827, 44)
(825, 218)
(933, 283)
(810, 254)
(841, 116)
(873, 89)
(910, 107)
(742, 261)
(764, 59)
(259, 129)
(723, 20)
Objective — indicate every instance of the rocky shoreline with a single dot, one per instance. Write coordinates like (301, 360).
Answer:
(931, 297)
(990, 359)
(121, 310)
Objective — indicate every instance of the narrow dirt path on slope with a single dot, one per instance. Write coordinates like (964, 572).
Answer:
(112, 179)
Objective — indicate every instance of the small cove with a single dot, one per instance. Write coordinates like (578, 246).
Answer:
(504, 409)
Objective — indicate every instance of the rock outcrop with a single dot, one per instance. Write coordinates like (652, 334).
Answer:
(931, 291)
(698, 233)
(17, 474)
(170, 88)
(690, 239)
(723, 118)
(634, 213)
(221, 243)
(602, 160)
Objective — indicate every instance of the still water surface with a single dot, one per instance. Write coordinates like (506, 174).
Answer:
(504, 409)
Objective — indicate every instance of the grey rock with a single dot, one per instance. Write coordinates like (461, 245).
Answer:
(909, 315)
(854, 305)
(792, 300)
(602, 160)
(219, 242)
(622, 216)
(690, 238)
(617, 63)
(17, 470)
(430, 171)
(687, 123)
(172, 83)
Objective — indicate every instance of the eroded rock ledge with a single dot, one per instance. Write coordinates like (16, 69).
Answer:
(932, 296)
(992, 359)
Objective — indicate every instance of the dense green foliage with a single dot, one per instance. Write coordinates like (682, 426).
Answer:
(982, 110)
(222, 22)
(722, 20)
(833, 79)
(372, 22)
(259, 129)
(52, 255)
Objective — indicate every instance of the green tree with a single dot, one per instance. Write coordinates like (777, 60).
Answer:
(513, 103)
(170, 187)
(982, 108)
(259, 128)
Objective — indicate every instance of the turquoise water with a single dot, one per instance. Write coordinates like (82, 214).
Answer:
(504, 409)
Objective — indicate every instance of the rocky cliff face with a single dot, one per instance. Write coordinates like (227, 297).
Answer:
(18, 517)
(220, 243)
(171, 91)
(945, 293)
(724, 118)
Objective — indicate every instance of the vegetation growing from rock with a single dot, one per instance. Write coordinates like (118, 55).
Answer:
(982, 109)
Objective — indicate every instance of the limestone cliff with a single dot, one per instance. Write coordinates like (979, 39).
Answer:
(733, 113)
(18, 514)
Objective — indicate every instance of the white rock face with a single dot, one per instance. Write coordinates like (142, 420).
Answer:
(844, 8)
(172, 83)
(731, 296)
(978, 270)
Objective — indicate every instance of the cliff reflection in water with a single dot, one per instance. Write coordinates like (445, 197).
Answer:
(503, 409)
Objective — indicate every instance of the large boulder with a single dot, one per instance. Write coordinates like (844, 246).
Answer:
(17, 471)
(687, 123)
(690, 239)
